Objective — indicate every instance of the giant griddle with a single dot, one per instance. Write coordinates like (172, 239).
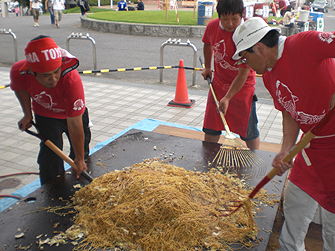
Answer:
(132, 147)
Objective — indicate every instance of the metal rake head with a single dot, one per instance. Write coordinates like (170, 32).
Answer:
(239, 157)
(231, 209)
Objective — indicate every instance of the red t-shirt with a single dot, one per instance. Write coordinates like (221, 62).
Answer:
(302, 83)
(65, 100)
(238, 112)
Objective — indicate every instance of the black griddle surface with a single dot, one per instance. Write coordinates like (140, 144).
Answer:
(130, 148)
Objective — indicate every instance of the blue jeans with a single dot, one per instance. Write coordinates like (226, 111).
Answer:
(52, 17)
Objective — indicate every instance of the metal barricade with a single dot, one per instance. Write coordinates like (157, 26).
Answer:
(87, 37)
(178, 42)
(9, 32)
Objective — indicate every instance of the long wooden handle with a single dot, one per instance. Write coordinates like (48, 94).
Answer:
(229, 135)
(295, 150)
(56, 150)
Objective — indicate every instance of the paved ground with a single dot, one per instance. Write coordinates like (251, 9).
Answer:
(115, 102)
(114, 106)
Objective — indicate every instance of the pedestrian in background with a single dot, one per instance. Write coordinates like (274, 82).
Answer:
(57, 7)
(17, 11)
(84, 6)
(34, 7)
(48, 4)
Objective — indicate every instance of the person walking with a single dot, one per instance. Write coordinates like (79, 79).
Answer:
(34, 7)
(84, 6)
(17, 11)
(296, 75)
(58, 7)
(49, 88)
(48, 6)
(234, 85)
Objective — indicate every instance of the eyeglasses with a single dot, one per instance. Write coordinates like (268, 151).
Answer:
(242, 60)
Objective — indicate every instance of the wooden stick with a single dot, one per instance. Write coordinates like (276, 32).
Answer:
(56, 150)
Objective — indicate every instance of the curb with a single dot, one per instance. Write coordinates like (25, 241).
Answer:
(143, 29)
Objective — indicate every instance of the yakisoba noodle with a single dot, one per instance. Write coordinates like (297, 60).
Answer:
(155, 206)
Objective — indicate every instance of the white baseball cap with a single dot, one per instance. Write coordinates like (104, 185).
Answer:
(249, 33)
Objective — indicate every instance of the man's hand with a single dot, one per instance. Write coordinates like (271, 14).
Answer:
(223, 106)
(281, 165)
(25, 123)
(206, 72)
(81, 165)
(332, 101)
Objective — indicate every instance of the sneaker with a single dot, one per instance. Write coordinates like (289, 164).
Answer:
(37, 24)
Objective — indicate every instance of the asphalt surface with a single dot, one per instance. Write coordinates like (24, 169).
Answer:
(114, 51)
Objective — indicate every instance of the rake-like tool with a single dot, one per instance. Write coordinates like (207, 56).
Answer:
(236, 205)
(232, 153)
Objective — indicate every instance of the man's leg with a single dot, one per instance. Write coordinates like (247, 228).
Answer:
(211, 138)
(211, 135)
(50, 163)
(37, 15)
(87, 134)
(299, 210)
(253, 144)
(328, 230)
(252, 139)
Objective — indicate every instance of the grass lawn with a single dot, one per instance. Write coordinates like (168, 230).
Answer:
(148, 16)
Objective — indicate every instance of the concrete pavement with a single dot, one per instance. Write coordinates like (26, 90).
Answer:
(113, 106)
(116, 101)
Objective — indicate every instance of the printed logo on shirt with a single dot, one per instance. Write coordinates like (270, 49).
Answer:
(220, 54)
(45, 100)
(327, 37)
(288, 100)
(49, 54)
(78, 105)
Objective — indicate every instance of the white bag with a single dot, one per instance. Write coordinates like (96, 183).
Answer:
(278, 14)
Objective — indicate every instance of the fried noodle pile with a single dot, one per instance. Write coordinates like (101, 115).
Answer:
(156, 206)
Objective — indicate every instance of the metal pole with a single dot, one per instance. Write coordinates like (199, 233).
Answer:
(87, 37)
(9, 32)
(178, 42)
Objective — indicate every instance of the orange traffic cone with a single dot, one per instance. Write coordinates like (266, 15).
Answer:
(181, 96)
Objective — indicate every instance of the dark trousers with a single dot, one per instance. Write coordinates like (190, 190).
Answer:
(50, 163)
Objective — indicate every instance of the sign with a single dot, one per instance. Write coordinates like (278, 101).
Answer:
(208, 11)
(265, 10)
(249, 11)
(306, 26)
(319, 24)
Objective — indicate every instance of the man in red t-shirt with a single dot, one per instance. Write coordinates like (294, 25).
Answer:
(301, 82)
(47, 83)
(234, 85)
(282, 7)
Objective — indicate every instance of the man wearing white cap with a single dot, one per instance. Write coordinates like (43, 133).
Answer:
(47, 83)
(299, 73)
